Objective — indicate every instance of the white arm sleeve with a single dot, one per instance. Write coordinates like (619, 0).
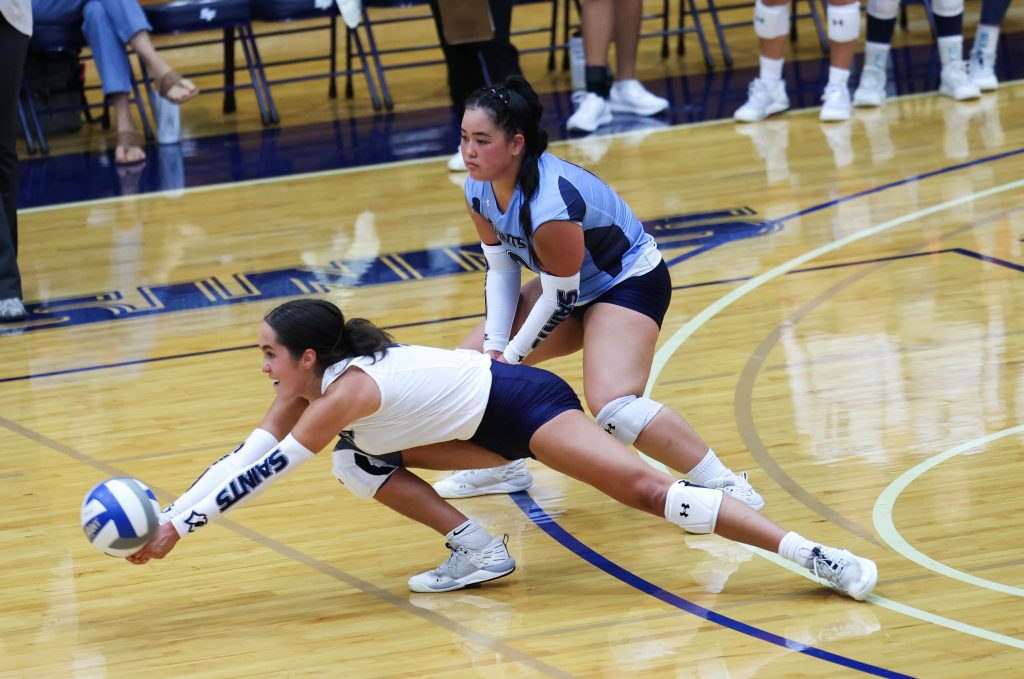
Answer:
(238, 488)
(501, 295)
(557, 298)
(258, 444)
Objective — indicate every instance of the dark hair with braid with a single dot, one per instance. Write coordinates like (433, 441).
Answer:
(516, 109)
(319, 325)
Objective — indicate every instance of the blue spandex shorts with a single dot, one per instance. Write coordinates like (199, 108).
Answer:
(649, 294)
(522, 399)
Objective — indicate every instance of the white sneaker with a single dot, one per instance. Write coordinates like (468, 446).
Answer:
(508, 478)
(763, 100)
(592, 113)
(850, 574)
(835, 103)
(629, 96)
(12, 309)
(466, 567)
(456, 162)
(871, 88)
(739, 487)
(956, 84)
(982, 71)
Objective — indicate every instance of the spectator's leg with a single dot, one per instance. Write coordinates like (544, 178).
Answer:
(13, 47)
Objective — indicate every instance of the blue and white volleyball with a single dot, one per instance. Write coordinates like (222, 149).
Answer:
(119, 516)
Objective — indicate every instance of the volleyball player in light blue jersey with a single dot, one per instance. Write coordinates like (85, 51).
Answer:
(565, 192)
(602, 285)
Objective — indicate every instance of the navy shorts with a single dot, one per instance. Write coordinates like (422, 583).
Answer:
(649, 294)
(522, 399)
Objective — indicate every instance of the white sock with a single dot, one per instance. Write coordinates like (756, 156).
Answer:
(951, 49)
(771, 70)
(797, 549)
(985, 40)
(707, 469)
(876, 55)
(469, 534)
(838, 76)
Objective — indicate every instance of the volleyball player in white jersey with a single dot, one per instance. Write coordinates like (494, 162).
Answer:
(331, 375)
(602, 287)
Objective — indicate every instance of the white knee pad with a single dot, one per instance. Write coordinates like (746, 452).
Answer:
(884, 9)
(693, 508)
(844, 22)
(361, 473)
(771, 21)
(625, 417)
(948, 8)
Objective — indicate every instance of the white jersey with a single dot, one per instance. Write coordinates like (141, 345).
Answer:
(427, 395)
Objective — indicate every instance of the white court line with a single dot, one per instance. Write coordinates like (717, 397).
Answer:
(665, 352)
(882, 515)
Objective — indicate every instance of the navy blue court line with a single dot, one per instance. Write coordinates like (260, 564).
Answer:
(449, 319)
(567, 540)
(988, 258)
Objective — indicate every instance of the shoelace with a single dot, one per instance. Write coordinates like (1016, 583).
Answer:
(829, 569)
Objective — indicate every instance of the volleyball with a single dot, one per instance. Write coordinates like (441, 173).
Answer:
(119, 516)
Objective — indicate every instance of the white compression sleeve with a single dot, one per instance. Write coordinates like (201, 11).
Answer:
(501, 295)
(241, 487)
(258, 444)
(557, 298)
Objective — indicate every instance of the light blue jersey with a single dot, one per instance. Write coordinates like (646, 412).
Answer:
(612, 235)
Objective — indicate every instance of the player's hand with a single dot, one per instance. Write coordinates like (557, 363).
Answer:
(496, 355)
(157, 548)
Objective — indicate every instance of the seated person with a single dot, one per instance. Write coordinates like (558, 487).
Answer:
(109, 27)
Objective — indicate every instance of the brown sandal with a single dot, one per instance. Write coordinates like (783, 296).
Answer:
(128, 140)
(169, 80)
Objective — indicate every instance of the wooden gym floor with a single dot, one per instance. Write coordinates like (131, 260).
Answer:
(845, 326)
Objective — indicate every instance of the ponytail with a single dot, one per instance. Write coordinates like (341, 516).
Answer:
(319, 325)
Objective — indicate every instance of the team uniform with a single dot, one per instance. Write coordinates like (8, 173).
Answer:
(428, 396)
(621, 261)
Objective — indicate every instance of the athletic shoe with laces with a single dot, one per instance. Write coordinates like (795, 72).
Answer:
(591, 113)
(835, 103)
(456, 162)
(629, 96)
(871, 88)
(466, 567)
(508, 478)
(847, 572)
(739, 487)
(956, 84)
(763, 100)
(982, 71)
(12, 309)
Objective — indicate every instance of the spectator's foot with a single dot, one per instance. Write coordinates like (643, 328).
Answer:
(835, 103)
(763, 99)
(456, 163)
(12, 309)
(629, 96)
(128, 150)
(956, 84)
(592, 113)
(871, 90)
(176, 89)
(982, 70)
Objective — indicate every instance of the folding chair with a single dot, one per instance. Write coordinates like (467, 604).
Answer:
(233, 17)
(296, 10)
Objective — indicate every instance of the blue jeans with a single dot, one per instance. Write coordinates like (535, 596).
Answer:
(108, 25)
